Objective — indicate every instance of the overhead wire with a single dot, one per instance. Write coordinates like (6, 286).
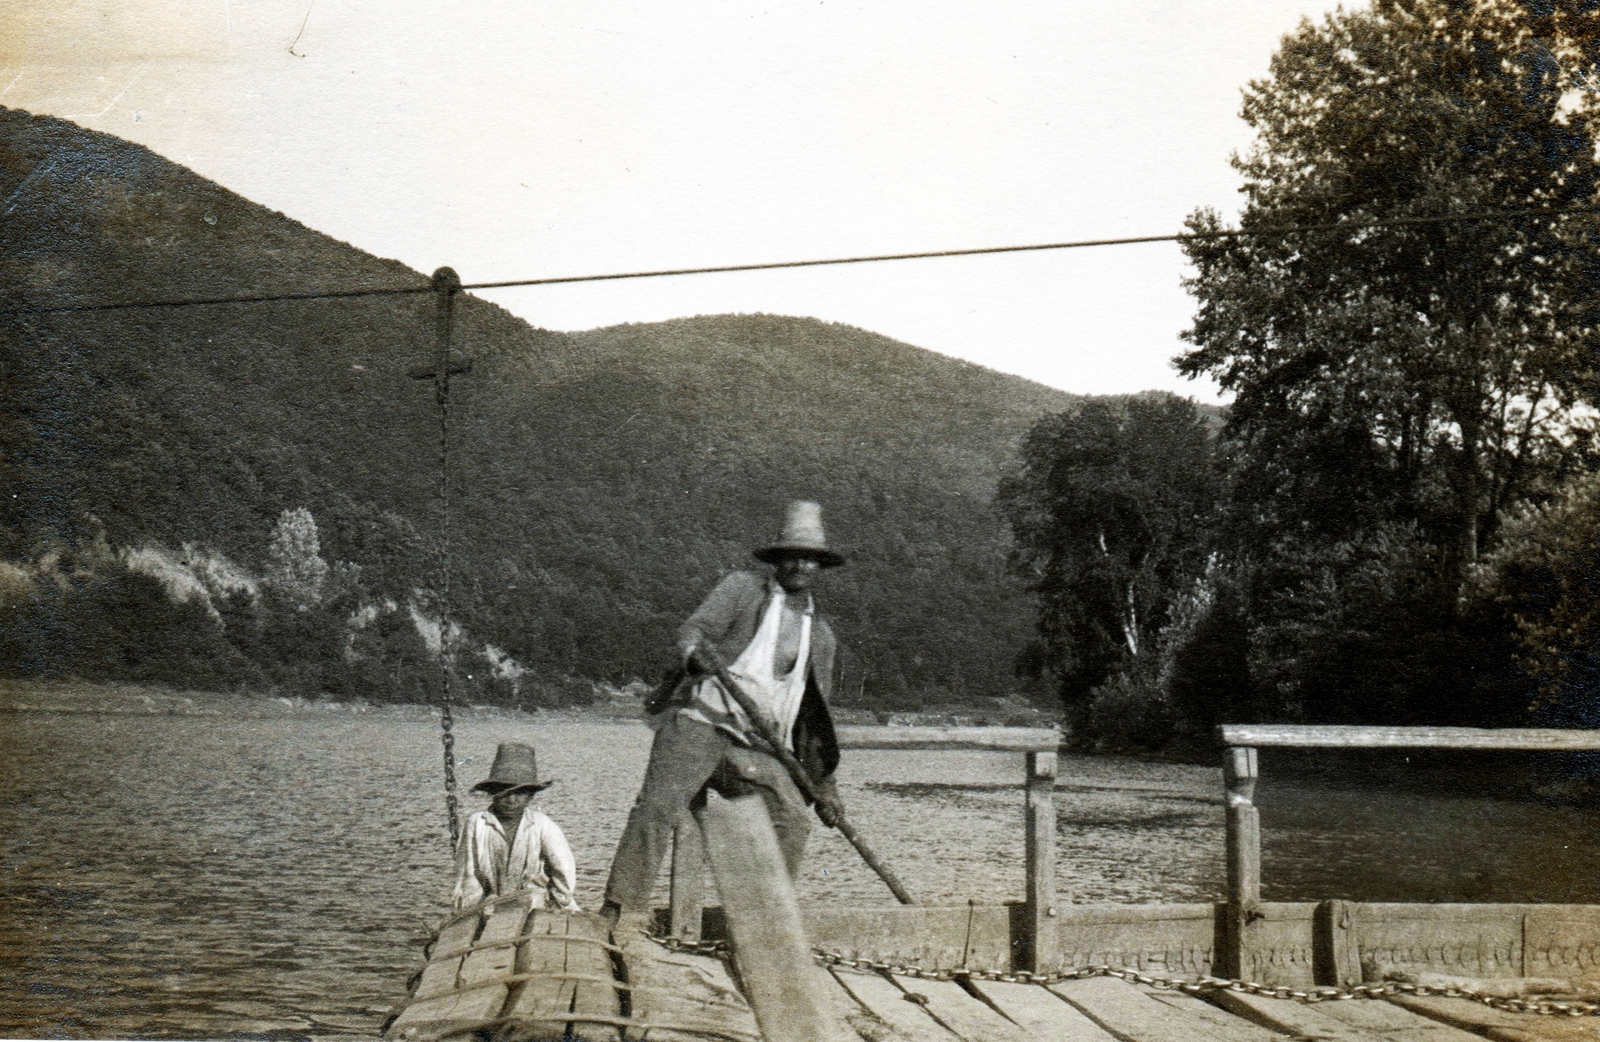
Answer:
(1220, 233)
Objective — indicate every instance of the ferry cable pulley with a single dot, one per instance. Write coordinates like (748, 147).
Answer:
(445, 285)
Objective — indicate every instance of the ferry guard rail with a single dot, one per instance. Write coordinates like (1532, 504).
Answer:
(1300, 945)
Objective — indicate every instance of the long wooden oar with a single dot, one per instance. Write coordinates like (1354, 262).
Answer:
(774, 745)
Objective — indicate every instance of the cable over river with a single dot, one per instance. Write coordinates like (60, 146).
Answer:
(269, 870)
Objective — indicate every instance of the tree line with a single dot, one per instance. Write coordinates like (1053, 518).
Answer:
(1396, 520)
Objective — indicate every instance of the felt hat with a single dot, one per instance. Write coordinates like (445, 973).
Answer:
(802, 535)
(514, 768)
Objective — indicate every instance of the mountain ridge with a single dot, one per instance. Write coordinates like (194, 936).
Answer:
(602, 479)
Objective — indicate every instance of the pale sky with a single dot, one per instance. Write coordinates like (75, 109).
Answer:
(517, 139)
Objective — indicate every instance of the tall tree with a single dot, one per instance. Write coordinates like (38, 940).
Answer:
(1399, 386)
(1427, 370)
(1108, 509)
(295, 568)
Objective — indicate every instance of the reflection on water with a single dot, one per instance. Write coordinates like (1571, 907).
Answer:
(188, 876)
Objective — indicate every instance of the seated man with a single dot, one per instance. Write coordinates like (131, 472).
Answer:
(512, 847)
(781, 656)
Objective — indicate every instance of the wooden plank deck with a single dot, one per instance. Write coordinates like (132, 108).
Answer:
(433, 1000)
(1389, 1021)
(964, 1014)
(1226, 1023)
(888, 1004)
(689, 997)
(1128, 1013)
(564, 970)
(505, 975)
(866, 1024)
(1042, 1014)
(1293, 1018)
(1499, 1024)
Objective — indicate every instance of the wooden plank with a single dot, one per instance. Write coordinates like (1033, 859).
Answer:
(690, 996)
(1392, 1022)
(563, 971)
(433, 998)
(1336, 736)
(542, 1002)
(1039, 870)
(688, 881)
(888, 1003)
(1499, 1024)
(959, 1011)
(1041, 1013)
(1000, 739)
(1122, 1009)
(592, 960)
(1293, 1018)
(780, 980)
(483, 971)
(1281, 947)
(1336, 953)
(1175, 940)
(1227, 1023)
(972, 936)
(1563, 942)
(1483, 941)
(866, 1024)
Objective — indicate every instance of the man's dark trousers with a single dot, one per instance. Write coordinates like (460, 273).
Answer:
(689, 756)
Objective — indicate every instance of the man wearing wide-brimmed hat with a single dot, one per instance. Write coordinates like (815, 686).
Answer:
(781, 655)
(512, 847)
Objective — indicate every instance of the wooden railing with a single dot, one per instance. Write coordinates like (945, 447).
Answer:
(1038, 746)
(1244, 820)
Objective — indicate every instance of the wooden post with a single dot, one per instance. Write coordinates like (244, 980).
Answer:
(688, 881)
(1335, 955)
(1040, 842)
(785, 987)
(1244, 861)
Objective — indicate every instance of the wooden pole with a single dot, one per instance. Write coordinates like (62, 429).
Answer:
(784, 986)
(1244, 861)
(770, 743)
(1040, 830)
(688, 881)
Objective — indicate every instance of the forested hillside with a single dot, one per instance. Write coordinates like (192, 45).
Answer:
(247, 494)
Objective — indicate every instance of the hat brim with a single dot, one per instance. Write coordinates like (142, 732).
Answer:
(496, 788)
(774, 554)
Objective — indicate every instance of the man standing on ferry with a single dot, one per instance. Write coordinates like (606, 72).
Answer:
(782, 655)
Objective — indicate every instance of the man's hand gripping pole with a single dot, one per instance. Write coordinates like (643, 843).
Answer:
(766, 737)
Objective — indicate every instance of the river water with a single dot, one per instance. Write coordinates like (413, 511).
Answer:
(181, 876)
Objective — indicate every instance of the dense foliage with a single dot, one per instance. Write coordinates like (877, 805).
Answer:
(1108, 510)
(1401, 385)
(1545, 575)
(601, 482)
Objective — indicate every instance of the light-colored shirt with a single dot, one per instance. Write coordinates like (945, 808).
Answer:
(755, 671)
(537, 859)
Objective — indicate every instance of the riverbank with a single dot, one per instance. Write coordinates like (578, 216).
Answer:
(614, 704)
(1542, 777)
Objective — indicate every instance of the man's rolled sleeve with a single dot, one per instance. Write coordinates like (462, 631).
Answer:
(716, 615)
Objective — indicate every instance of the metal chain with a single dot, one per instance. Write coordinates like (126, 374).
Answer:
(1573, 1008)
(445, 285)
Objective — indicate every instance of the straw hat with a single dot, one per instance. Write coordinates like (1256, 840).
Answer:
(802, 535)
(514, 768)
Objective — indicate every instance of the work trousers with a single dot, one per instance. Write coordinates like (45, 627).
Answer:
(688, 758)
